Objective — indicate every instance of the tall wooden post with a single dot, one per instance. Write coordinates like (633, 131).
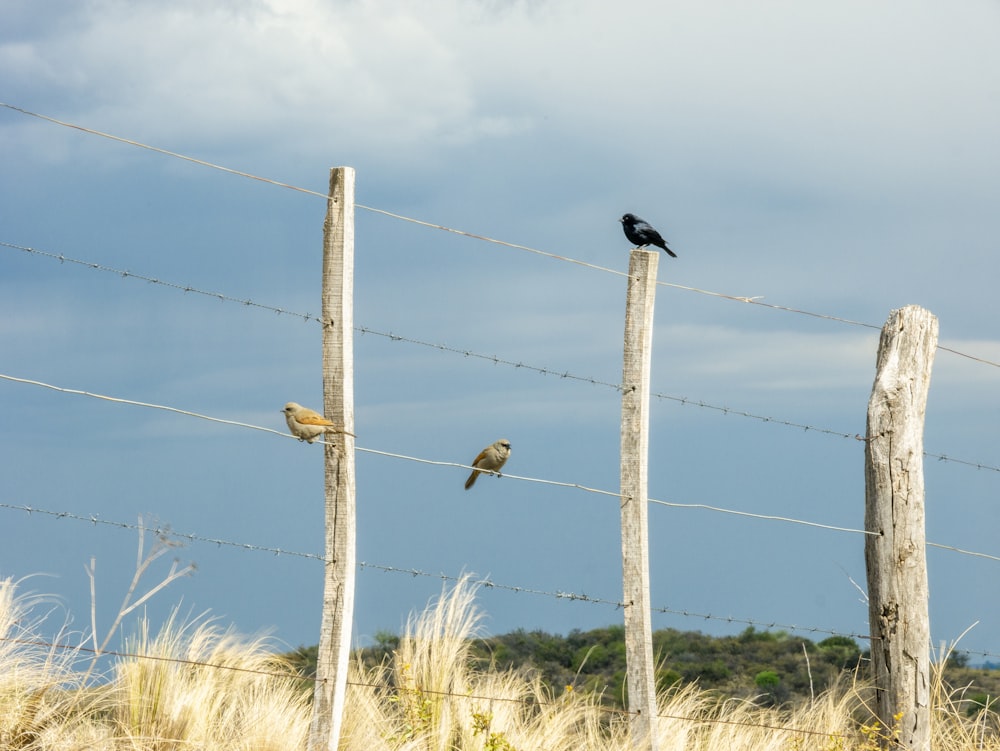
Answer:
(635, 491)
(338, 404)
(894, 509)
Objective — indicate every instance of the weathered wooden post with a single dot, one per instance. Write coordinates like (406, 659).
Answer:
(895, 555)
(338, 405)
(641, 682)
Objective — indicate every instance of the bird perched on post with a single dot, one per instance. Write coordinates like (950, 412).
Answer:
(642, 233)
(490, 459)
(307, 424)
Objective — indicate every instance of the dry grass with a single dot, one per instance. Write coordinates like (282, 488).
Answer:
(211, 690)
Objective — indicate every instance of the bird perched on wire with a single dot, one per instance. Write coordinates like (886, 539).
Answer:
(307, 424)
(490, 459)
(642, 233)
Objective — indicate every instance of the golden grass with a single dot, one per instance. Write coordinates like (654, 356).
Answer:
(213, 690)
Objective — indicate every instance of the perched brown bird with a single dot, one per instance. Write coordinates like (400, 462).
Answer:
(306, 424)
(490, 459)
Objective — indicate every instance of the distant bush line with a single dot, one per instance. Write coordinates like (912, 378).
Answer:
(772, 667)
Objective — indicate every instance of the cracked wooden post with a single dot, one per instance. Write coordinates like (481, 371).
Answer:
(895, 555)
(641, 683)
(333, 655)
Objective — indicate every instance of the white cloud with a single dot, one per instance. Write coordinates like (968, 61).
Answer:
(779, 77)
(838, 158)
(774, 359)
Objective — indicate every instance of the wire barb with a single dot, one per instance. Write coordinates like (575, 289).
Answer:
(746, 299)
(496, 360)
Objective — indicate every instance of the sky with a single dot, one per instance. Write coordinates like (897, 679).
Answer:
(835, 158)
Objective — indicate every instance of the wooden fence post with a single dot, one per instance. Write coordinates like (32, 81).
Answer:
(641, 682)
(338, 404)
(895, 556)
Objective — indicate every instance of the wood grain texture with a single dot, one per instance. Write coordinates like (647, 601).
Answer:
(895, 556)
(635, 491)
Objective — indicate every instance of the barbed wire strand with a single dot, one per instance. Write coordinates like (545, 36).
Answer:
(160, 531)
(751, 300)
(470, 696)
(166, 531)
(495, 359)
(617, 604)
(148, 405)
(153, 280)
(770, 517)
(953, 549)
(439, 463)
(406, 457)
(158, 150)
(485, 582)
(538, 480)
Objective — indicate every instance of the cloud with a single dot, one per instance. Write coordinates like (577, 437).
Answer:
(231, 75)
(837, 158)
(771, 359)
(729, 92)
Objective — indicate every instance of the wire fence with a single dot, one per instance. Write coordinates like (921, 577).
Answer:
(507, 362)
(469, 353)
(441, 463)
(299, 676)
(165, 531)
(746, 299)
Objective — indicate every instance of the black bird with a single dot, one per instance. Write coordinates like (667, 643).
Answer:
(642, 233)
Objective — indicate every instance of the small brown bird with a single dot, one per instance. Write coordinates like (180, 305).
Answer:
(490, 459)
(306, 424)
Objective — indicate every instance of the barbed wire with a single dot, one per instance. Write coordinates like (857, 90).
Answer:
(439, 463)
(617, 604)
(751, 300)
(161, 282)
(495, 359)
(148, 405)
(768, 517)
(953, 549)
(468, 695)
(523, 478)
(416, 459)
(167, 531)
(159, 531)
(485, 582)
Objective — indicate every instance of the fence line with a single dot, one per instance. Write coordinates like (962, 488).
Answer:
(161, 531)
(484, 582)
(489, 358)
(148, 405)
(433, 462)
(125, 274)
(747, 300)
(752, 300)
(769, 517)
(420, 460)
(298, 676)
(641, 497)
(487, 583)
(963, 552)
(618, 604)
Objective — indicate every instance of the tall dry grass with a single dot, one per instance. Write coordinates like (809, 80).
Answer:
(193, 685)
